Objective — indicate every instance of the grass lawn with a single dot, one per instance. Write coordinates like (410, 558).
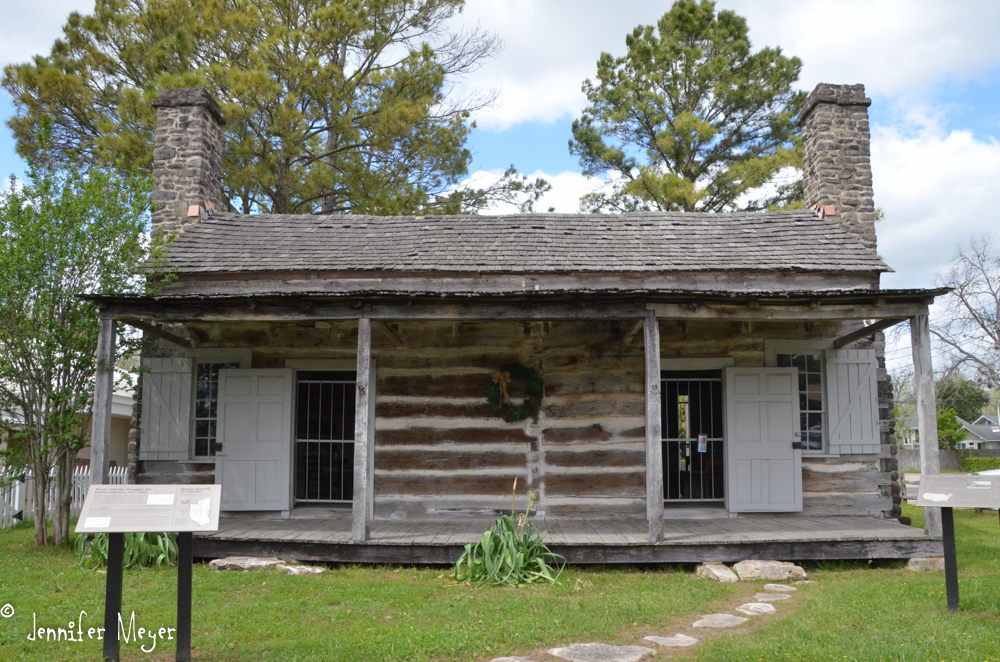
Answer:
(854, 612)
(866, 613)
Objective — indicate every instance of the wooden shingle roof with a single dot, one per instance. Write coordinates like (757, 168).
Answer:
(527, 243)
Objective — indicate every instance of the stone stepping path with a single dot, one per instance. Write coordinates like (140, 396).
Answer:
(770, 597)
(602, 653)
(719, 621)
(676, 641)
(756, 608)
(744, 570)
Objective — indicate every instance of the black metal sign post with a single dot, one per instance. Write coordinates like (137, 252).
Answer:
(113, 595)
(184, 563)
(950, 560)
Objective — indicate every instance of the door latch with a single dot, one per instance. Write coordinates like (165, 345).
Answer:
(796, 445)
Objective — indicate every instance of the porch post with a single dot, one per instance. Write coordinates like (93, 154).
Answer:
(923, 374)
(364, 434)
(104, 387)
(654, 445)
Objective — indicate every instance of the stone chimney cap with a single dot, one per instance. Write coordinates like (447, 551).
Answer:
(190, 96)
(841, 95)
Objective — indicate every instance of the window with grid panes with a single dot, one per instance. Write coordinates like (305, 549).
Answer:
(811, 415)
(206, 404)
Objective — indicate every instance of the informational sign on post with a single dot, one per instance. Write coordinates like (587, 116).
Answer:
(947, 493)
(120, 509)
(150, 509)
(956, 491)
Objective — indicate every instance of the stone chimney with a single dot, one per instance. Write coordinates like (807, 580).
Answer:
(836, 158)
(187, 158)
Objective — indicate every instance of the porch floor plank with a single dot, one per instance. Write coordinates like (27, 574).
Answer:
(581, 541)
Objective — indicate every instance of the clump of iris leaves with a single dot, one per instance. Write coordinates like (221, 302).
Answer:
(142, 550)
(511, 553)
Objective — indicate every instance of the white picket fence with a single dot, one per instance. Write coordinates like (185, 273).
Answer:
(17, 493)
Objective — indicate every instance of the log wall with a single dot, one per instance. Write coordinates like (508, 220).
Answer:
(440, 452)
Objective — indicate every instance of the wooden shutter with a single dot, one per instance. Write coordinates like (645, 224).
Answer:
(852, 401)
(763, 459)
(166, 410)
(253, 464)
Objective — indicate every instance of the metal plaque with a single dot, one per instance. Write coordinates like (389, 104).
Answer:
(150, 509)
(959, 491)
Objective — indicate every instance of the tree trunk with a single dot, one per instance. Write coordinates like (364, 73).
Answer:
(41, 484)
(63, 498)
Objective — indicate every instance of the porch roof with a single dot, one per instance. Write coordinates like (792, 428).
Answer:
(829, 304)
(526, 243)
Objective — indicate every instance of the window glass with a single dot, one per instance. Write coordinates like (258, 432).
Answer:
(206, 405)
(811, 415)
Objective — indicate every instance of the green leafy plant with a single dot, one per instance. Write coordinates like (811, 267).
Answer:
(511, 553)
(142, 550)
(973, 464)
(950, 430)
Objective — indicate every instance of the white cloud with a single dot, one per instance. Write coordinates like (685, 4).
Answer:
(893, 46)
(30, 28)
(937, 191)
(564, 198)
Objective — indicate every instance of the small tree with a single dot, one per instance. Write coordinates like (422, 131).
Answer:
(969, 325)
(61, 233)
(690, 119)
(950, 430)
(965, 396)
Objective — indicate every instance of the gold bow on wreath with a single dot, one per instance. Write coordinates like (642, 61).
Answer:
(502, 378)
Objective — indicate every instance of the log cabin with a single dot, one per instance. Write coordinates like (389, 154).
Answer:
(675, 387)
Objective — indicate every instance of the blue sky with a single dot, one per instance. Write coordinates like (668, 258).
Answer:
(931, 68)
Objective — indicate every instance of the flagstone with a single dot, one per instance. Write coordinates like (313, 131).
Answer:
(676, 641)
(756, 608)
(719, 621)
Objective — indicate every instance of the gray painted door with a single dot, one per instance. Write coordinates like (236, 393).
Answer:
(763, 465)
(255, 431)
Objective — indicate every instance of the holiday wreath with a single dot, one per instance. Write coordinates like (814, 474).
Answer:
(500, 403)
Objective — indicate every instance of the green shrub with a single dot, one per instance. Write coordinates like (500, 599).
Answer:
(510, 553)
(142, 550)
(973, 464)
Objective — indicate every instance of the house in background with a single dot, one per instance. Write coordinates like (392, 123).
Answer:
(676, 387)
(907, 432)
(981, 434)
(121, 421)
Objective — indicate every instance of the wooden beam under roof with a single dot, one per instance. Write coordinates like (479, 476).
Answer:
(154, 330)
(872, 328)
(388, 332)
